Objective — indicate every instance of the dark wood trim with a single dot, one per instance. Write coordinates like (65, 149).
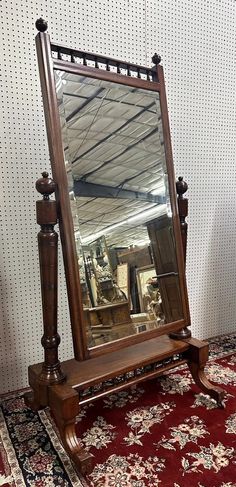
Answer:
(51, 372)
(62, 194)
(135, 381)
(101, 74)
(172, 188)
(181, 188)
(129, 360)
(47, 64)
(55, 47)
(65, 399)
(133, 339)
(88, 373)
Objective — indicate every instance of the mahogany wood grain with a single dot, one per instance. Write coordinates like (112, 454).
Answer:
(62, 193)
(101, 74)
(181, 188)
(132, 339)
(123, 356)
(91, 55)
(98, 369)
(47, 244)
(46, 67)
(172, 190)
(64, 403)
(134, 382)
(197, 354)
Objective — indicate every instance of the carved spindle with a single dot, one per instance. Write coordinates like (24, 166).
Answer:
(181, 188)
(47, 243)
(156, 59)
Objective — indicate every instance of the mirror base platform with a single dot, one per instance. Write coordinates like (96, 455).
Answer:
(95, 378)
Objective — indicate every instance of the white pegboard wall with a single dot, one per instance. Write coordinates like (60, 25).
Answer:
(197, 42)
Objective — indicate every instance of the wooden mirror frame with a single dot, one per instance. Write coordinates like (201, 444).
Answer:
(90, 375)
(154, 82)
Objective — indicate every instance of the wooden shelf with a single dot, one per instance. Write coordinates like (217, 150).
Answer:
(84, 374)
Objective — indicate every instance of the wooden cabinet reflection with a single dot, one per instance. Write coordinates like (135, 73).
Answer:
(162, 241)
(112, 322)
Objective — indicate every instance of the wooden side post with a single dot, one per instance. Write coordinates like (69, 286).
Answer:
(181, 188)
(47, 243)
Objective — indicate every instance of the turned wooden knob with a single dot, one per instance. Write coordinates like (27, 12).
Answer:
(181, 187)
(41, 25)
(156, 59)
(45, 185)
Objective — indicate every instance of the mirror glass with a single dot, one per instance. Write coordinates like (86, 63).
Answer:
(119, 194)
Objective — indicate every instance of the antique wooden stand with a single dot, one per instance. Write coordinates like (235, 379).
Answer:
(95, 372)
(65, 387)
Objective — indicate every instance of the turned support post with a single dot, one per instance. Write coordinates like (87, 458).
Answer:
(47, 244)
(181, 188)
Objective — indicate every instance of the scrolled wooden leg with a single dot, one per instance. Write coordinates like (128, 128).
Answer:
(205, 385)
(79, 456)
(197, 357)
(64, 403)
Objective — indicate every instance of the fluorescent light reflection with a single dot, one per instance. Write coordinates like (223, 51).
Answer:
(136, 218)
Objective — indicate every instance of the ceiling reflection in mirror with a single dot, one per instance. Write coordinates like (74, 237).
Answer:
(119, 194)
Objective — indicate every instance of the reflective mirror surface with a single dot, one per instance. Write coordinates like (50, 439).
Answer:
(119, 193)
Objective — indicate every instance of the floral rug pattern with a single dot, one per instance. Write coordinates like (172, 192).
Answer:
(163, 433)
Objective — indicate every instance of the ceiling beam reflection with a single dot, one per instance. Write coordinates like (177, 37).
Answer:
(91, 190)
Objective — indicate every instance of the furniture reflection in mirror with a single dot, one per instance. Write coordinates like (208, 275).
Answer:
(149, 293)
(116, 197)
(114, 184)
(122, 275)
(163, 245)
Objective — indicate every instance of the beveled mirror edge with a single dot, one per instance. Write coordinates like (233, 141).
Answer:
(46, 68)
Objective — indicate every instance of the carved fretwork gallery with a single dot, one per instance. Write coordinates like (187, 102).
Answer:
(113, 362)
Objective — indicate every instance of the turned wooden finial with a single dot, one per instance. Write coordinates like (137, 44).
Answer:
(45, 185)
(181, 187)
(41, 25)
(156, 59)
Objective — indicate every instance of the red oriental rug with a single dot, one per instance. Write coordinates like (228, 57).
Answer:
(162, 433)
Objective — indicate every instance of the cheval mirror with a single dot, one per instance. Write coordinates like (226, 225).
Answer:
(123, 235)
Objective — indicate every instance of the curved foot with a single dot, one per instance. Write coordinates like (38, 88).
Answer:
(31, 401)
(198, 354)
(64, 403)
(205, 385)
(80, 457)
